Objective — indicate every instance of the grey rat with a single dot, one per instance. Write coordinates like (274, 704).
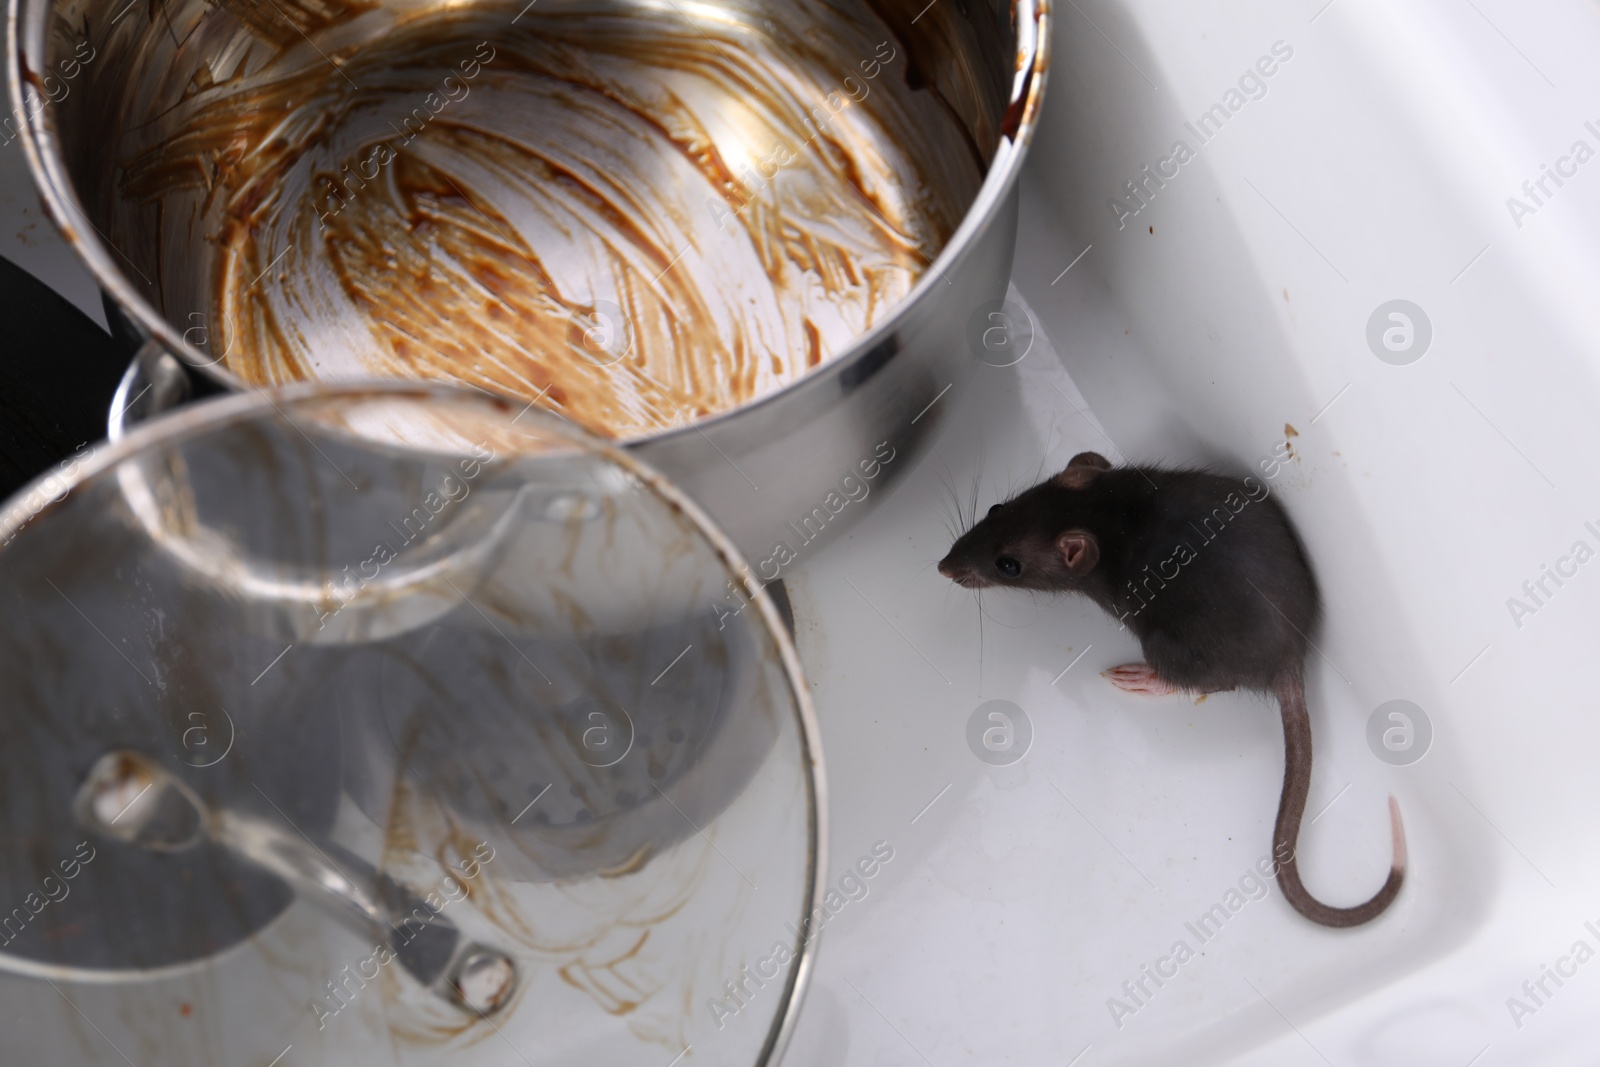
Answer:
(1210, 576)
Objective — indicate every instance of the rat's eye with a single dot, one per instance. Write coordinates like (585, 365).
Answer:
(1008, 566)
(994, 509)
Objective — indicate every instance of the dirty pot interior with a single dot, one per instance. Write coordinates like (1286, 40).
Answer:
(635, 214)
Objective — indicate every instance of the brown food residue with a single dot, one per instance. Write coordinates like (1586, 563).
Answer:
(604, 980)
(635, 221)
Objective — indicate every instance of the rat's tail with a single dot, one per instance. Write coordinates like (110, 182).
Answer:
(1291, 807)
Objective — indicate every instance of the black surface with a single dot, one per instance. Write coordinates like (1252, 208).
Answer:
(780, 599)
(122, 331)
(58, 371)
(126, 336)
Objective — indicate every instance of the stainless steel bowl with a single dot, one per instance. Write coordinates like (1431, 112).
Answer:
(753, 233)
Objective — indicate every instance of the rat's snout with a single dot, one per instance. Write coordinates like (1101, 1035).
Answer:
(960, 573)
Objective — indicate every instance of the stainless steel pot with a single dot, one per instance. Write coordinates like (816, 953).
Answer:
(919, 111)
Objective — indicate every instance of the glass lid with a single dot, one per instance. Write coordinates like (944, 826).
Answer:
(393, 725)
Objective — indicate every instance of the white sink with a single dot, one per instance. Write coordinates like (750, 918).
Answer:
(1374, 164)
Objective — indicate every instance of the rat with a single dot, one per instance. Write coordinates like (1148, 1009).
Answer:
(1210, 576)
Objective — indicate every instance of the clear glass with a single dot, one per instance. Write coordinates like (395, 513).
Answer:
(392, 725)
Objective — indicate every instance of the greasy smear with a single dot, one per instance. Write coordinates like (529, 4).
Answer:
(633, 219)
(605, 981)
(594, 935)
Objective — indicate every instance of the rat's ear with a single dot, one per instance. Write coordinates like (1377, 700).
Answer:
(1081, 470)
(1079, 551)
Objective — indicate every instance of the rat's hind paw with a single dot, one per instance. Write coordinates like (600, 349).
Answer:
(1139, 678)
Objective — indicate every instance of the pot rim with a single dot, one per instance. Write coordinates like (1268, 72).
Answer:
(1030, 74)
